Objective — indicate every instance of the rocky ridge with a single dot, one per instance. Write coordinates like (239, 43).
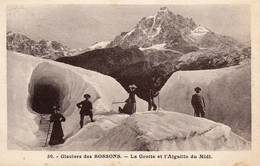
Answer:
(166, 37)
(44, 48)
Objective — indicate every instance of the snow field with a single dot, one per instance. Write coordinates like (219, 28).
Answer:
(169, 131)
(99, 45)
(25, 72)
(227, 94)
(142, 131)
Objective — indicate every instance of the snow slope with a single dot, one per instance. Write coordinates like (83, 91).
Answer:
(25, 73)
(99, 45)
(227, 93)
(156, 47)
(168, 131)
(155, 130)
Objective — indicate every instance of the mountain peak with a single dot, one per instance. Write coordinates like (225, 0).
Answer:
(163, 11)
(173, 31)
(164, 8)
(163, 27)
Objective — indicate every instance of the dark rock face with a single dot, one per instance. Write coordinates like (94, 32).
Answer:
(45, 49)
(105, 61)
(127, 66)
(211, 59)
(144, 75)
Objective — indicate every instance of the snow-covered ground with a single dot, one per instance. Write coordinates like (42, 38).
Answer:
(129, 33)
(155, 47)
(143, 130)
(198, 33)
(27, 72)
(227, 92)
(159, 47)
(168, 131)
(99, 45)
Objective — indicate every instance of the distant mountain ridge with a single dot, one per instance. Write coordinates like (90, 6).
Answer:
(165, 37)
(44, 48)
(174, 31)
(163, 27)
(148, 54)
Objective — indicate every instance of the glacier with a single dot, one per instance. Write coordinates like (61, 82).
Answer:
(26, 72)
(227, 93)
(143, 131)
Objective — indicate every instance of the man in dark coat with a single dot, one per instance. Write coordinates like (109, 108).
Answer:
(85, 109)
(151, 103)
(198, 103)
(57, 132)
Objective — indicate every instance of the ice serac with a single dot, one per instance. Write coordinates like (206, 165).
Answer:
(227, 93)
(34, 81)
(169, 131)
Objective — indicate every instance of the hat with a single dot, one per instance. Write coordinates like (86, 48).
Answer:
(197, 89)
(132, 86)
(87, 96)
(55, 106)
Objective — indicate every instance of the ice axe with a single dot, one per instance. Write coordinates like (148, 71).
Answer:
(47, 133)
(117, 102)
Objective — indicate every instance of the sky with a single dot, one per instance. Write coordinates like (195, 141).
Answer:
(80, 26)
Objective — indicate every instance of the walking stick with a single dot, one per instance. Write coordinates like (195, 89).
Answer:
(47, 133)
(158, 101)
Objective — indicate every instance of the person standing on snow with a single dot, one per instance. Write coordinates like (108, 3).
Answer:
(57, 132)
(85, 109)
(131, 99)
(198, 103)
(151, 96)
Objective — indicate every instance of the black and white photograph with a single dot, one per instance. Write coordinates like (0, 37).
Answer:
(130, 81)
(128, 77)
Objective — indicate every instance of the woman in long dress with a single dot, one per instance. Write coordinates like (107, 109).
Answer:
(130, 106)
(57, 132)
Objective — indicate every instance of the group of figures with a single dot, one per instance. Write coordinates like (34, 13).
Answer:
(197, 102)
(130, 106)
(56, 118)
(86, 107)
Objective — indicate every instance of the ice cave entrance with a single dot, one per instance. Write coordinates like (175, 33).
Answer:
(44, 97)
